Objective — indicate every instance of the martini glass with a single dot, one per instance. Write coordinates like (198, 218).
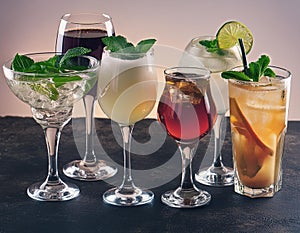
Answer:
(217, 174)
(86, 30)
(51, 105)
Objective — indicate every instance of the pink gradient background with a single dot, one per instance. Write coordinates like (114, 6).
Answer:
(31, 25)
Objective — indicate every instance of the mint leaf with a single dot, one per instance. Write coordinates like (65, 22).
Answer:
(116, 43)
(235, 75)
(74, 52)
(257, 69)
(21, 63)
(59, 80)
(212, 46)
(144, 45)
(47, 90)
(254, 71)
(263, 61)
(41, 68)
(269, 72)
(120, 44)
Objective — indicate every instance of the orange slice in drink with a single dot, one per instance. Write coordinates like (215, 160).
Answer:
(251, 151)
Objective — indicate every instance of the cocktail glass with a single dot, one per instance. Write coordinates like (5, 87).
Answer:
(217, 174)
(187, 111)
(128, 92)
(52, 114)
(258, 117)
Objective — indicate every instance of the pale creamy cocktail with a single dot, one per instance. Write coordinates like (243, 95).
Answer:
(129, 90)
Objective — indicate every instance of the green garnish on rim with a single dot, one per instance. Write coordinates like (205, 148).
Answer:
(253, 72)
(54, 66)
(121, 45)
(227, 37)
(212, 46)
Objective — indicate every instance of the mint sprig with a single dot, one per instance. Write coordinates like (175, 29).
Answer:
(120, 44)
(212, 46)
(253, 72)
(71, 53)
(54, 67)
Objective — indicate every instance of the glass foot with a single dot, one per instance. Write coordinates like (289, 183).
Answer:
(215, 176)
(186, 198)
(53, 192)
(89, 172)
(122, 197)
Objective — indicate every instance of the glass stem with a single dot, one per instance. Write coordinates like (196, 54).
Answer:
(217, 162)
(89, 157)
(187, 153)
(127, 183)
(52, 136)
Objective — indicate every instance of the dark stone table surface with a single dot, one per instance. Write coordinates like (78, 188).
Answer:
(23, 161)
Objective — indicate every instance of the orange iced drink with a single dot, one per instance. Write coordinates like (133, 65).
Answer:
(258, 117)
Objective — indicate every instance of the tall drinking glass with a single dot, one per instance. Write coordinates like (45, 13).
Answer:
(217, 174)
(187, 110)
(51, 102)
(258, 117)
(128, 92)
(86, 30)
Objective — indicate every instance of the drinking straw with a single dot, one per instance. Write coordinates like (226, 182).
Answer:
(244, 58)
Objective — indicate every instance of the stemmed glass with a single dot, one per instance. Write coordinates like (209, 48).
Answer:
(51, 106)
(217, 174)
(86, 30)
(187, 111)
(128, 92)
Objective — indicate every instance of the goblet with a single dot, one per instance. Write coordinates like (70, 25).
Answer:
(51, 97)
(217, 174)
(86, 30)
(123, 79)
(187, 111)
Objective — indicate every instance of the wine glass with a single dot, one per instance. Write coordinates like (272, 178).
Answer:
(51, 105)
(187, 111)
(217, 174)
(128, 92)
(86, 30)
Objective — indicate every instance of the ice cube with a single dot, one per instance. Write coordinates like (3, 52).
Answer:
(264, 79)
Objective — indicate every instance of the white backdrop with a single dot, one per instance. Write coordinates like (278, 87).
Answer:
(30, 26)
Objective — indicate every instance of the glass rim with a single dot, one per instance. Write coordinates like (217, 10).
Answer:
(203, 37)
(103, 18)
(284, 77)
(171, 72)
(7, 66)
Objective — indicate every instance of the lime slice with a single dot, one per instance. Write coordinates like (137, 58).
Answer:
(229, 34)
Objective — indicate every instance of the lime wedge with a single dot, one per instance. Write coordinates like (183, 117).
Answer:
(230, 32)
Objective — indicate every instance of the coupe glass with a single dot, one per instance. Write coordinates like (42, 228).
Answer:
(86, 30)
(217, 174)
(187, 111)
(52, 114)
(122, 83)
